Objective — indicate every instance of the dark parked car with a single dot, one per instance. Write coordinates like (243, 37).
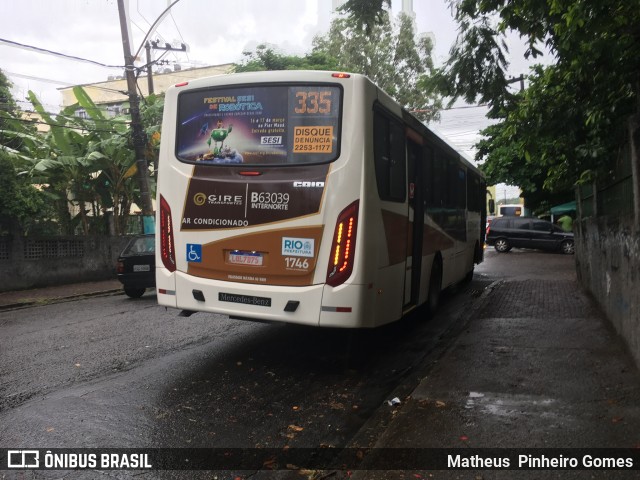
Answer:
(504, 233)
(136, 266)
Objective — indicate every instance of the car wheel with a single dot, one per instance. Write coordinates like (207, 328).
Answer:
(568, 247)
(502, 245)
(134, 292)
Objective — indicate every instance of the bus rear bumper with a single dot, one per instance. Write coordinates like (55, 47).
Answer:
(341, 308)
(299, 305)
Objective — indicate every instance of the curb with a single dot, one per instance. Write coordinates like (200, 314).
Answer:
(52, 300)
(372, 432)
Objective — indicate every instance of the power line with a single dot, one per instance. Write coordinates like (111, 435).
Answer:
(67, 117)
(158, 20)
(179, 32)
(465, 107)
(471, 132)
(76, 127)
(38, 79)
(56, 54)
(31, 104)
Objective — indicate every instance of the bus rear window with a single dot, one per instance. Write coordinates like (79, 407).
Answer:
(259, 125)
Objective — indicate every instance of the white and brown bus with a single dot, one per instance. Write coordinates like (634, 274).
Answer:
(309, 197)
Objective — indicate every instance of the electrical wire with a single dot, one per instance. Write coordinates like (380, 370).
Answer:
(466, 106)
(179, 33)
(90, 85)
(38, 79)
(56, 54)
(458, 134)
(68, 117)
(138, 26)
(72, 118)
(63, 126)
(140, 13)
(158, 20)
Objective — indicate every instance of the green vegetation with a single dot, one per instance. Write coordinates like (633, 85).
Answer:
(20, 201)
(569, 125)
(266, 58)
(66, 180)
(571, 122)
(388, 53)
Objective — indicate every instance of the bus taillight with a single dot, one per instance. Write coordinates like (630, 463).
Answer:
(167, 247)
(343, 246)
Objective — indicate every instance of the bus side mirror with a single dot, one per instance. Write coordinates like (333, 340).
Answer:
(492, 206)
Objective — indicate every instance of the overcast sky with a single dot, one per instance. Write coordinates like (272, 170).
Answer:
(216, 31)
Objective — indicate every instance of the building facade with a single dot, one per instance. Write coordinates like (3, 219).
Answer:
(112, 93)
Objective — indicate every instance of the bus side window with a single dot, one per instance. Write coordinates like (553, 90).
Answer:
(389, 158)
(381, 154)
(398, 170)
(427, 176)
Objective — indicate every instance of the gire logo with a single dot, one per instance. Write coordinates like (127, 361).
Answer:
(199, 199)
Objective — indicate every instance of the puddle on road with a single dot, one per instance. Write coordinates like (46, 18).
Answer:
(504, 405)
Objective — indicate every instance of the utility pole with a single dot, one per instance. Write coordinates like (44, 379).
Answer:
(156, 46)
(147, 47)
(138, 135)
(517, 79)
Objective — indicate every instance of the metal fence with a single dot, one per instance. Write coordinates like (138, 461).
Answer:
(35, 249)
(610, 196)
(5, 248)
(27, 262)
(614, 199)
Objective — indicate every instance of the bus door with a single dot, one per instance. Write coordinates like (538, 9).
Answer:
(415, 223)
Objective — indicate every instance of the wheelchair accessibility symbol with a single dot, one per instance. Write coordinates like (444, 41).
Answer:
(194, 252)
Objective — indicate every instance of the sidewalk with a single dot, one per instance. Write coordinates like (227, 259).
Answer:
(23, 298)
(536, 366)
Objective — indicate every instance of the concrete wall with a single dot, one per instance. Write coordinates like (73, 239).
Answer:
(44, 261)
(608, 265)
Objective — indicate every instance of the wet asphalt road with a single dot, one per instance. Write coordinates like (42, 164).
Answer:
(110, 371)
(114, 372)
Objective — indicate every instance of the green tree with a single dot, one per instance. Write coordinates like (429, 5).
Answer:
(84, 165)
(573, 116)
(66, 168)
(388, 53)
(7, 103)
(570, 122)
(366, 14)
(151, 111)
(90, 162)
(265, 58)
(21, 204)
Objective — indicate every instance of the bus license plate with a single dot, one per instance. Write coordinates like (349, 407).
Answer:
(246, 258)
(141, 268)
